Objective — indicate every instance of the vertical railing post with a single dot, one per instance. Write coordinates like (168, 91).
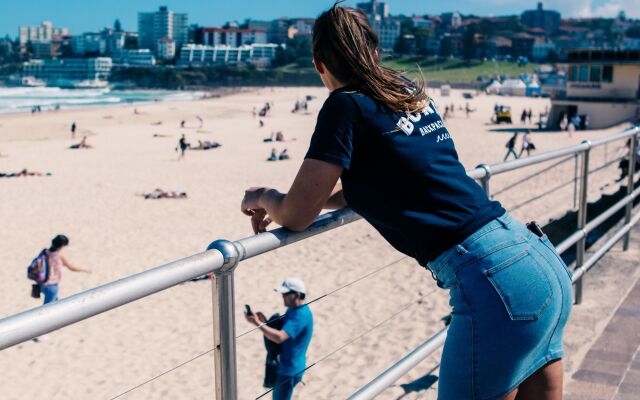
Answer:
(224, 323)
(582, 218)
(484, 181)
(575, 180)
(633, 144)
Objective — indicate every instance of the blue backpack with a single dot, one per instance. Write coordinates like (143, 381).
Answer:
(38, 270)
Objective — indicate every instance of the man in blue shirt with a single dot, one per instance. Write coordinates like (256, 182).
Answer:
(294, 337)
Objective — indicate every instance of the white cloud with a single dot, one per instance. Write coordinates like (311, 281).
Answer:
(575, 8)
(591, 8)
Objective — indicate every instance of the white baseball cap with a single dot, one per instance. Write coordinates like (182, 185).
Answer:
(291, 285)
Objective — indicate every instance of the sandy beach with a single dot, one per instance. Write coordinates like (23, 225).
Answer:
(93, 197)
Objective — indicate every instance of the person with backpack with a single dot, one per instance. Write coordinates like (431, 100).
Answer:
(52, 260)
(511, 145)
(383, 137)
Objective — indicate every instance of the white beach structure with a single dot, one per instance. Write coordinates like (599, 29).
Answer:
(513, 87)
(603, 88)
(494, 87)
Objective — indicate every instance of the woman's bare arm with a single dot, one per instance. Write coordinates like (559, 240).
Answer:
(313, 188)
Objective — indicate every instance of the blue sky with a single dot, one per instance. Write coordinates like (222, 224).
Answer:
(90, 15)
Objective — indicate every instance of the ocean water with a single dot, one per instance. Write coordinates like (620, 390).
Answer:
(22, 99)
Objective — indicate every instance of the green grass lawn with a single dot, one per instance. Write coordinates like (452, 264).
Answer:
(456, 70)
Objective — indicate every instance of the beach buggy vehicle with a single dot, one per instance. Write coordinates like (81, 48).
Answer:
(502, 114)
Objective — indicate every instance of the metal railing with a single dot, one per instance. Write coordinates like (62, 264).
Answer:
(222, 257)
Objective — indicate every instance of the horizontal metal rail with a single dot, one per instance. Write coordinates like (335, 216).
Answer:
(495, 169)
(595, 223)
(40, 320)
(43, 319)
(577, 273)
(398, 370)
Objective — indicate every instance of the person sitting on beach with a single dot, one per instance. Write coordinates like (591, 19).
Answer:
(161, 194)
(22, 173)
(279, 136)
(82, 145)
(273, 156)
(261, 123)
(284, 155)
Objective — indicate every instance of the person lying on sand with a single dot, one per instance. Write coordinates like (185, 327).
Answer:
(161, 194)
(157, 123)
(22, 173)
(206, 145)
(82, 145)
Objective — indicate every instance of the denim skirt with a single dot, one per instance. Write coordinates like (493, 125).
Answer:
(510, 294)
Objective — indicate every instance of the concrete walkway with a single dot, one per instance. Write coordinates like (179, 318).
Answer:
(611, 367)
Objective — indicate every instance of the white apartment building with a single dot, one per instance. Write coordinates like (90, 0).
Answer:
(153, 26)
(232, 36)
(138, 57)
(197, 54)
(45, 32)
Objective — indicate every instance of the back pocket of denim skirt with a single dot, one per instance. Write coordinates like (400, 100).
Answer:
(522, 285)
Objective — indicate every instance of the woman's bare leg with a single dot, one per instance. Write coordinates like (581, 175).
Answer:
(544, 384)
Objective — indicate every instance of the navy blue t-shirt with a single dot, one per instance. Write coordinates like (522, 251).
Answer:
(401, 173)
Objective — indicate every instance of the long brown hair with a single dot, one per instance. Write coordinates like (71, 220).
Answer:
(345, 42)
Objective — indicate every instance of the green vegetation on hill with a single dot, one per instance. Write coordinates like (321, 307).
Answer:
(456, 70)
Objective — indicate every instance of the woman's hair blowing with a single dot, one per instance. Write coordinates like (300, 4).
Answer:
(345, 42)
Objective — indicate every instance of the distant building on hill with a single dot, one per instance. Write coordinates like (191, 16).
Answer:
(104, 43)
(603, 88)
(539, 18)
(154, 28)
(302, 26)
(388, 32)
(69, 72)
(166, 49)
(46, 32)
(376, 10)
(45, 40)
(199, 55)
(451, 20)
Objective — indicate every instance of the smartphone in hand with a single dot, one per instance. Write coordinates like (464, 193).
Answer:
(247, 310)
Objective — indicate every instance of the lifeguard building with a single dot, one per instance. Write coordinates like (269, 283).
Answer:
(603, 88)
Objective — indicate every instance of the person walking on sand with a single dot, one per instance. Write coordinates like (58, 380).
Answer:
(56, 261)
(182, 147)
(293, 338)
(523, 117)
(511, 145)
(525, 145)
(382, 136)
(73, 130)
